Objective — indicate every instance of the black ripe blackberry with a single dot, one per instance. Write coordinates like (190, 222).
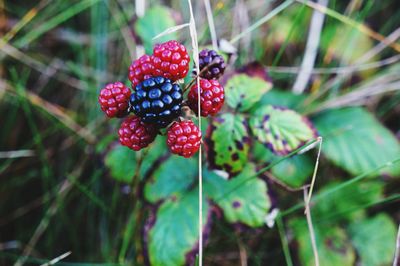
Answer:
(157, 101)
(214, 63)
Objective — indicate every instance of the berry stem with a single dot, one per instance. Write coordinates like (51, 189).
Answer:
(195, 77)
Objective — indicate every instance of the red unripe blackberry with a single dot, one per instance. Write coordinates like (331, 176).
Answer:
(184, 138)
(114, 99)
(214, 63)
(135, 134)
(141, 69)
(212, 97)
(170, 60)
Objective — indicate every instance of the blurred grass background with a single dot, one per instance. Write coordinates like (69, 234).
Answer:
(56, 193)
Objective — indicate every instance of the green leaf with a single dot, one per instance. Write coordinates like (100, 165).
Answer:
(243, 91)
(348, 203)
(281, 130)
(175, 232)
(228, 143)
(375, 240)
(334, 247)
(279, 97)
(356, 141)
(242, 201)
(293, 171)
(156, 20)
(174, 176)
(122, 163)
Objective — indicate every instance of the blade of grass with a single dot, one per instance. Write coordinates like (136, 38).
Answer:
(348, 21)
(55, 21)
(261, 21)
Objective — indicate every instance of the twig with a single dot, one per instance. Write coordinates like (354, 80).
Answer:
(315, 171)
(311, 228)
(350, 69)
(242, 253)
(310, 54)
(57, 259)
(211, 24)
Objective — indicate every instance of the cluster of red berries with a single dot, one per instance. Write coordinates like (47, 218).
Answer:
(157, 98)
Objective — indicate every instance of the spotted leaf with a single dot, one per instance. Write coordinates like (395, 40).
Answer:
(281, 130)
(243, 199)
(228, 143)
(243, 91)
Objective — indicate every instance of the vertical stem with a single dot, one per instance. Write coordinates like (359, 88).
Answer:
(193, 35)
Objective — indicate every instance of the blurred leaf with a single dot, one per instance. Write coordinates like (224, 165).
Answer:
(174, 176)
(122, 163)
(156, 20)
(228, 143)
(281, 130)
(356, 141)
(349, 202)
(344, 43)
(243, 91)
(375, 240)
(175, 232)
(242, 201)
(334, 247)
(294, 171)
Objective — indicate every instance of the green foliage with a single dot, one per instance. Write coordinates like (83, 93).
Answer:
(156, 20)
(122, 163)
(243, 199)
(229, 143)
(334, 247)
(349, 202)
(278, 97)
(294, 171)
(175, 232)
(172, 177)
(374, 239)
(243, 91)
(356, 141)
(281, 130)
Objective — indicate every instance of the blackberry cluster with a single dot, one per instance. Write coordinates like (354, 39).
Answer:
(157, 99)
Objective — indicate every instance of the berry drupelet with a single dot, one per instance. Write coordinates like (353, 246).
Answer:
(184, 138)
(170, 60)
(135, 134)
(211, 97)
(157, 100)
(140, 69)
(213, 62)
(114, 99)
